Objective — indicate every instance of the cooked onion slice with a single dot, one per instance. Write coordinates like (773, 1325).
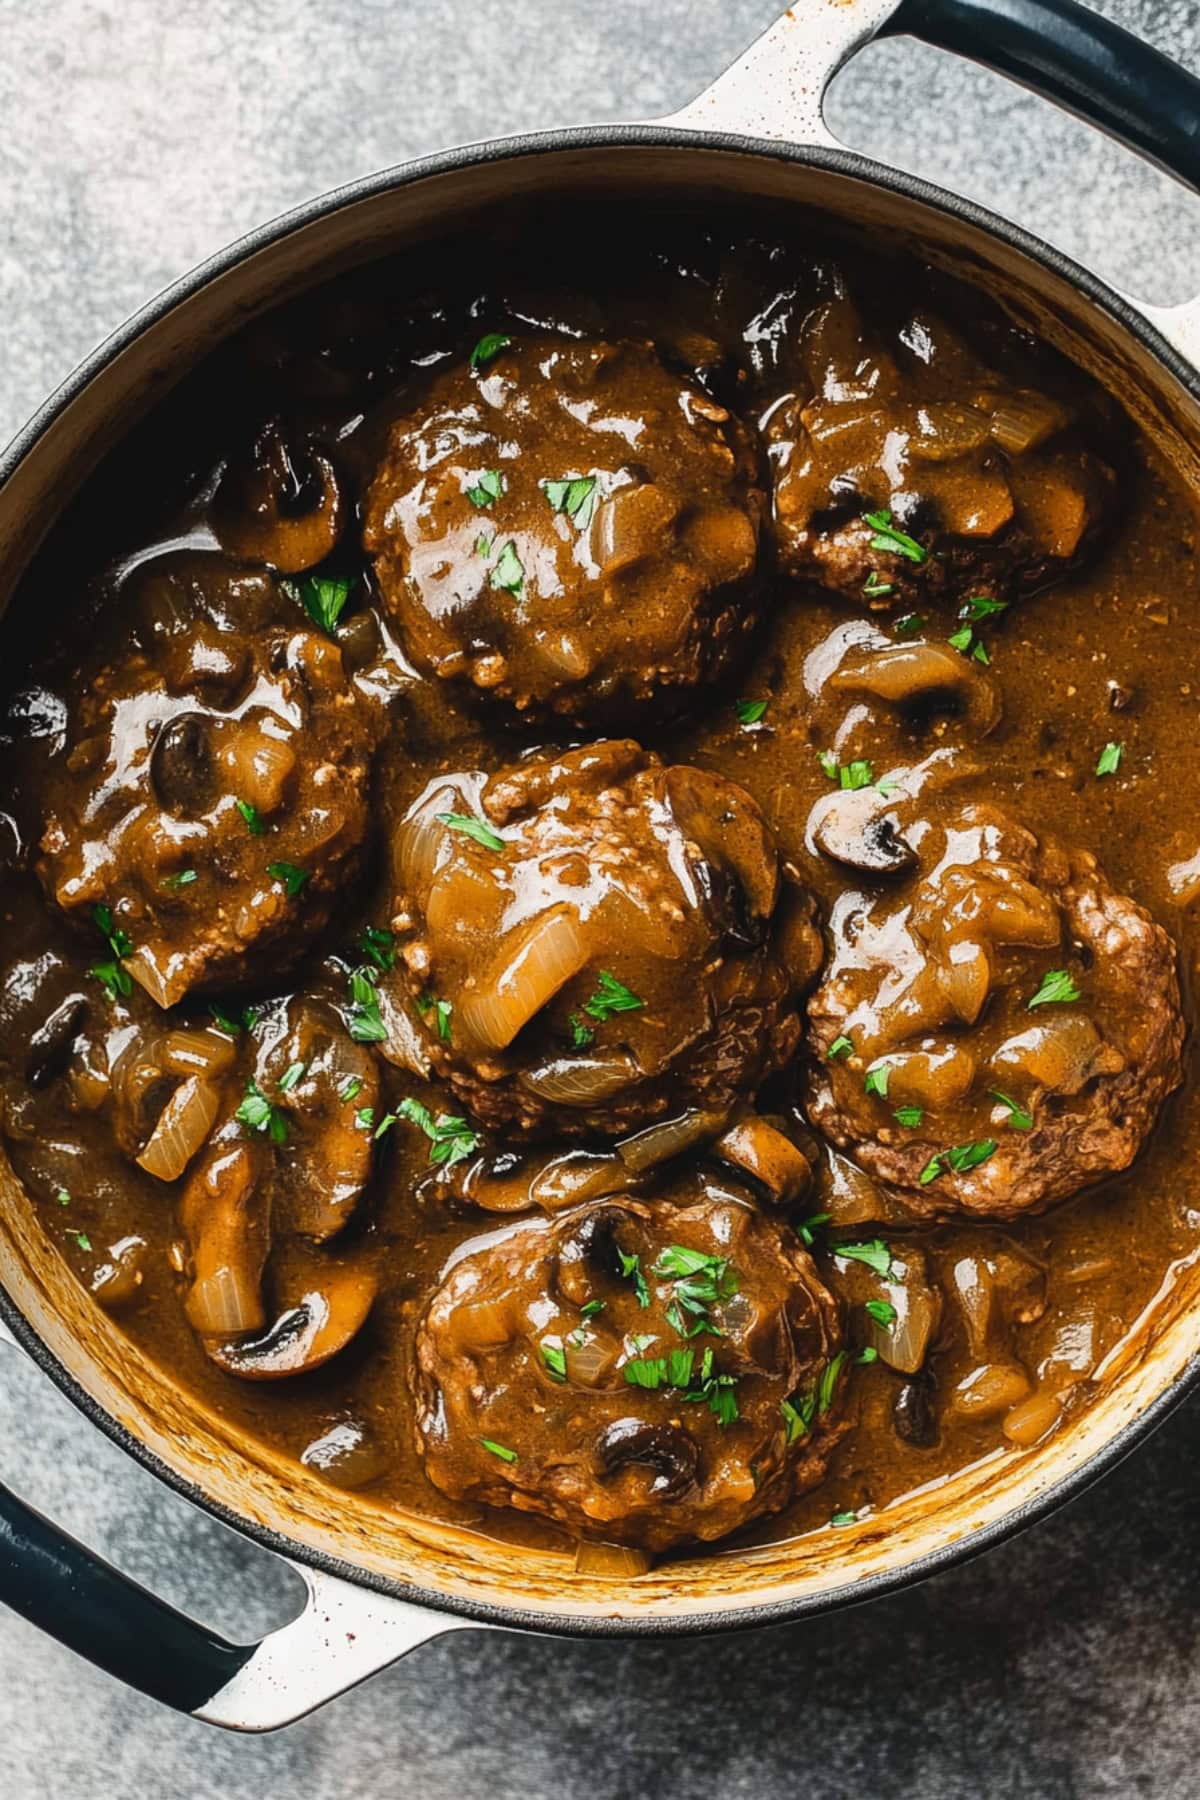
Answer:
(225, 1303)
(669, 1137)
(183, 1125)
(615, 1562)
(536, 960)
(581, 1080)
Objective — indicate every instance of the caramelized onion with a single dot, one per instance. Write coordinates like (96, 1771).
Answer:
(257, 767)
(592, 1361)
(536, 960)
(767, 1156)
(187, 1052)
(615, 1562)
(1026, 420)
(183, 1125)
(581, 1080)
(669, 1137)
(225, 1303)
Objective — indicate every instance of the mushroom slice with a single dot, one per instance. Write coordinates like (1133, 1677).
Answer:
(730, 833)
(281, 506)
(767, 1156)
(668, 1453)
(306, 1335)
(908, 674)
(856, 827)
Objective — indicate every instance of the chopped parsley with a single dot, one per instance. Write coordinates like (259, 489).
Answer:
(184, 879)
(1057, 989)
(981, 606)
(246, 1020)
(798, 1416)
(592, 1308)
(576, 497)
(843, 1518)
(509, 572)
(581, 1035)
(293, 879)
(451, 1140)
(874, 588)
(500, 1450)
(611, 996)
(868, 1354)
(909, 624)
(81, 1238)
(749, 712)
(841, 1046)
(62, 1196)
(1018, 1118)
(488, 349)
(964, 641)
(252, 817)
(876, 1081)
(378, 946)
(323, 598)
(113, 977)
(882, 1311)
(483, 544)
(699, 1281)
(807, 1228)
(1110, 759)
(827, 1385)
(909, 1116)
(291, 1075)
(631, 1269)
(350, 1089)
(385, 1124)
(646, 1371)
(441, 1010)
(890, 537)
(555, 1359)
(257, 1113)
(678, 1370)
(855, 775)
(472, 828)
(875, 1254)
(365, 1023)
(487, 489)
(959, 1158)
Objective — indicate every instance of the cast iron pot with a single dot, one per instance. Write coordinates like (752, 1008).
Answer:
(380, 1582)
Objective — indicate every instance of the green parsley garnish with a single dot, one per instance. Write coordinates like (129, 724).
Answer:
(350, 1089)
(841, 1046)
(291, 1075)
(1110, 759)
(63, 1197)
(909, 1116)
(257, 1113)
(472, 828)
(798, 1418)
(592, 1308)
(808, 1227)
(378, 946)
(184, 879)
(293, 879)
(488, 349)
(451, 1140)
(487, 489)
(509, 572)
(874, 588)
(981, 606)
(959, 1158)
(365, 1023)
(385, 1124)
(699, 1281)
(868, 1354)
(963, 639)
(1018, 1118)
(500, 1450)
(749, 712)
(581, 1035)
(890, 537)
(323, 598)
(575, 496)
(364, 1118)
(441, 1010)
(1056, 990)
(882, 1311)
(855, 775)
(827, 1385)
(646, 1371)
(876, 1081)
(483, 544)
(112, 976)
(81, 1238)
(875, 1254)
(631, 1269)
(252, 817)
(225, 1022)
(555, 1359)
(909, 625)
(843, 1518)
(611, 996)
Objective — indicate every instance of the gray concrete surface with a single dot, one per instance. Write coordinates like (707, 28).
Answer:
(137, 137)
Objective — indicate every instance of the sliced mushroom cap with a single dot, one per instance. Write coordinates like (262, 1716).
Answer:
(909, 674)
(763, 1152)
(856, 827)
(730, 833)
(281, 505)
(666, 1450)
(305, 1335)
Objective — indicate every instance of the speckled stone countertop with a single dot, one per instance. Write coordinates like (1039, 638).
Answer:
(138, 138)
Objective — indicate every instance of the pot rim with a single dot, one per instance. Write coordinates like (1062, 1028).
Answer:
(547, 142)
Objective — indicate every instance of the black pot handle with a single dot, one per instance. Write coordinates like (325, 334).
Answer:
(1070, 54)
(344, 1633)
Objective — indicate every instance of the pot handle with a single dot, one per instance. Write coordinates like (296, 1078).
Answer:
(344, 1633)
(1060, 49)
